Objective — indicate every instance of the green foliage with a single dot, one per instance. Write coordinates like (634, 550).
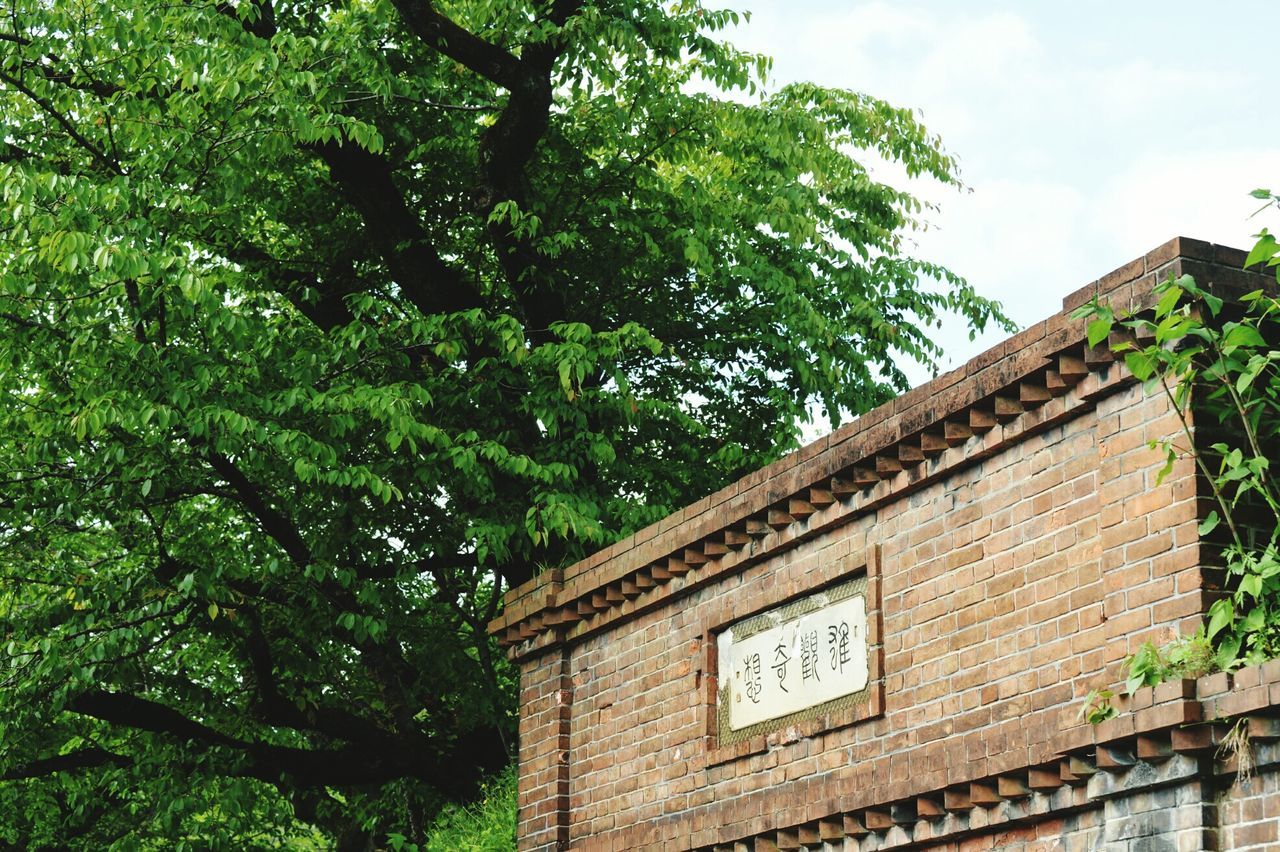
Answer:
(1184, 656)
(1097, 707)
(486, 826)
(1219, 365)
(321, 325)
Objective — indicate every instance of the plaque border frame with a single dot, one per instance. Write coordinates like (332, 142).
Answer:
(813, 720)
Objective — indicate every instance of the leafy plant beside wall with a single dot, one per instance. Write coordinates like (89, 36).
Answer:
(1220, 359)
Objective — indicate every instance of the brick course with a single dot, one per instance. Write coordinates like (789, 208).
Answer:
(1017, 545)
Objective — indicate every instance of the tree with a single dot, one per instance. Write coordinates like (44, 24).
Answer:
(323, 324)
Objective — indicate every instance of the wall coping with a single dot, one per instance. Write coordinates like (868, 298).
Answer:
(1023, 384)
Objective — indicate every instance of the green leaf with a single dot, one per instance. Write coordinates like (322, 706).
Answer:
(1210, 523)
(1263, 250)
(1228, 652)
(1168, 301)
(1098, 330)
(1221, 614)
(1139, 363)
(1241, 335)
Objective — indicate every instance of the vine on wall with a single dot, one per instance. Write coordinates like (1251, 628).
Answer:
(1221, 359)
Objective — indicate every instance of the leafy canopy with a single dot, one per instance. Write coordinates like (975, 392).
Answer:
(322, 324)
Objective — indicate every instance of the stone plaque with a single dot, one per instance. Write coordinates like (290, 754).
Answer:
(797, 656)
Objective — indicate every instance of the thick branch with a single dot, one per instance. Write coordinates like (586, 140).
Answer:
(72, 131)
(89, 758)
(395, 230)
(81, 83)
(441, 33)
(10, 153)
(54, 71)
(392, 570)
(261, 24)
(274, 523)
(510, 143)
(366, 180)
(328, 310)
(505, 152)
(135, 712)
(33, 326)
(135, 302)
(279, 710)
(361, 763)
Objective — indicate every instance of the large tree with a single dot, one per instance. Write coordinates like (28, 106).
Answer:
(321, 324)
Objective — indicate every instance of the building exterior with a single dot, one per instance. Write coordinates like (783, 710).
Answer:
(884, 639)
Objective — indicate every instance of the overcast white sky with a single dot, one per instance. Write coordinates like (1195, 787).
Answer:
(1089, 132)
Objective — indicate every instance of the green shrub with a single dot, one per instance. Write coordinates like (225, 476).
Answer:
(487, 825)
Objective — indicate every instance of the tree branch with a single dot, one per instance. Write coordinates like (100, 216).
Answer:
(262, 24)
(279, 710)
(89, 758)
(391, 570)
(57, 116)
(135, 712)
(366, 179)
(274, 523)
(442, 34)
(82, 83)
(505, 152)
(363, 762)
(328, 311)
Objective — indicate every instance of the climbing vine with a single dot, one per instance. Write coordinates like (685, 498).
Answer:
(1219, 365)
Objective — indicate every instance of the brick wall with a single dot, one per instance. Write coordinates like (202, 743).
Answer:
(1017, 547)
(1250, 811)
(546, 695)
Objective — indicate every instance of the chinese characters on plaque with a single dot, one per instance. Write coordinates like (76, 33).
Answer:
(795, 663)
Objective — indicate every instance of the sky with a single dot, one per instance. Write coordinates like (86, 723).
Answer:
(1088, 133)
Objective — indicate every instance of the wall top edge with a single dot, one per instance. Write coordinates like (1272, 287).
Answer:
(1008, 377)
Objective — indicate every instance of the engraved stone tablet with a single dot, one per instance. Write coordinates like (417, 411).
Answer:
(794, 657)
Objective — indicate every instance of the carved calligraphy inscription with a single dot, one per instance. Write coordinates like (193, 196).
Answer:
(776, 666)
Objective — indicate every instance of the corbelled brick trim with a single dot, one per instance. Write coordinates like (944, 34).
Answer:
(1166, 736)
(1015, 545)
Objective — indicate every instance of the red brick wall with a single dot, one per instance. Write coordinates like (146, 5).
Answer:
(543, 791)
(1015, 564)
(1250, 811)
(993, 625)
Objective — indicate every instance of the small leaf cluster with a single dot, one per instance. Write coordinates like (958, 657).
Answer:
(1183, 657)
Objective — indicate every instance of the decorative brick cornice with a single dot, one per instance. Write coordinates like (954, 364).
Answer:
(1161, 735)
(1023, 385)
